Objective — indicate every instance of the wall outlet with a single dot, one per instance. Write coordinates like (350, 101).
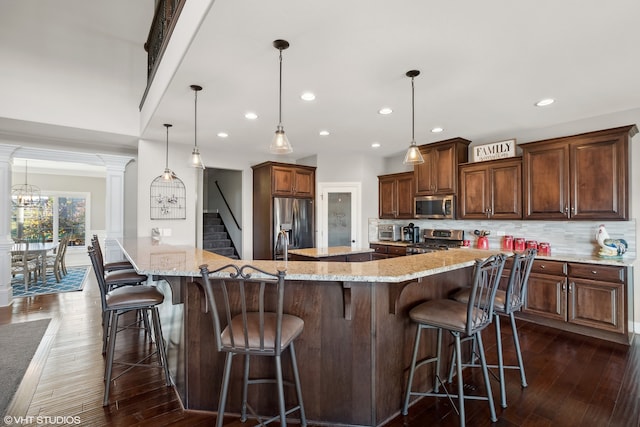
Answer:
(500, 233)
(166, 232)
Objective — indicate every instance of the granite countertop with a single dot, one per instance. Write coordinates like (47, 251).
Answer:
(331, 251)
(159, 258)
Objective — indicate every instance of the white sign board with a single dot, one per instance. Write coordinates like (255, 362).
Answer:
(495, 150)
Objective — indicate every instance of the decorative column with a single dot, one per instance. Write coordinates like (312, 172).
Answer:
(114, 215)
(6, 291)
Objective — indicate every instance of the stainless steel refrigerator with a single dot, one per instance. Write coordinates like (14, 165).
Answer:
(295, 216)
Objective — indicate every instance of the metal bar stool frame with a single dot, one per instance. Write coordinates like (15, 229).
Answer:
(506, 303)
(253, 332)
(459, 319)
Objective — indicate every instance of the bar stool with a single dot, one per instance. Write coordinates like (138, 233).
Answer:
(111, 281)
(507, 302)
(468, 319)
(252, 330)
(110, 266)
(140, 298)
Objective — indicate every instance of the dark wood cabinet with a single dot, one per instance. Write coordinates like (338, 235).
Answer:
(584, 176)
(293, 181)
(395, 196)
(271, 179)
(382, 251)
(586, 298)
(490, 190)
(439, 172)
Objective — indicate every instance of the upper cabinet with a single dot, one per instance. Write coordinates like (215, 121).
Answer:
(439, 172)
(491, 190)
(292, 180)
(584, 176)
(395, 195)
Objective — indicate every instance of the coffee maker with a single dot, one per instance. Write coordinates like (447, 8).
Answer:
(411, 233)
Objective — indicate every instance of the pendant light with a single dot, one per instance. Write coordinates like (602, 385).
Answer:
(280, 143)
(25, 195)
(168, 174)
(413, 156)
(196, 160)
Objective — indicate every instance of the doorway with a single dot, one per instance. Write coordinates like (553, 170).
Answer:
(339, 214)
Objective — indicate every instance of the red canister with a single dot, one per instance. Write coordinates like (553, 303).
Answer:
(518, 244)
(544, 249)
(483, 242)
(507, 243)
(531, 244)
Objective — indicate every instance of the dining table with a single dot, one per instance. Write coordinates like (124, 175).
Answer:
(39, 249)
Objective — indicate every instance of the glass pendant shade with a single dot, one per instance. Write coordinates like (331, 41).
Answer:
(280, 142)
(413, 156)
(196, 160)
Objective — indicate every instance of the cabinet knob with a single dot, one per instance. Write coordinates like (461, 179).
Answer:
(594, 272)
(543, 266)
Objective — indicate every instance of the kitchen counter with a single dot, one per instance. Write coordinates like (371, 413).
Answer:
(330, 251)
(332, 254)
(356, 337)
(356, 333)
(183, 261)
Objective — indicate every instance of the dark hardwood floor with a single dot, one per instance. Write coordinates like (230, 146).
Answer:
(573, 380)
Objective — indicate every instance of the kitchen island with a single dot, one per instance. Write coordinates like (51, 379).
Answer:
(333, 254)
(357, 338)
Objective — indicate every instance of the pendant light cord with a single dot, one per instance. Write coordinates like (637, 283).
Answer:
(166, 152)
(195, 120)
(280, 93)
(413, 113)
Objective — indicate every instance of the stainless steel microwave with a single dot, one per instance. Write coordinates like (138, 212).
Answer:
(435, 207)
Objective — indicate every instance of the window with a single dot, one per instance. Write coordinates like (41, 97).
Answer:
(58, 215)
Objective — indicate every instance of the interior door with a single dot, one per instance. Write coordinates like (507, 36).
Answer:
(339, 213)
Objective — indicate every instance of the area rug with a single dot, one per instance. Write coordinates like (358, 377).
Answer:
(73, 281)
(18, 344)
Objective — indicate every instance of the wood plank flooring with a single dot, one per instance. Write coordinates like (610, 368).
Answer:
(573, 380)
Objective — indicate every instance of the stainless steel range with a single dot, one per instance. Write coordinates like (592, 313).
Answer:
(437, 240)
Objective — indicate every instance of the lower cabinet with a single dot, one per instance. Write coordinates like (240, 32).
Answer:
(383, 251)
(586, 298)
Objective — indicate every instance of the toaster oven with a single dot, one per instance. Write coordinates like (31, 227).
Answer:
(389, 232)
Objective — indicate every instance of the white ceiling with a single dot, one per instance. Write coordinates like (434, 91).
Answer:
(483, 66)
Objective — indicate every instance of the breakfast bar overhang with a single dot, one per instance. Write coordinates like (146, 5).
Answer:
(357, 338)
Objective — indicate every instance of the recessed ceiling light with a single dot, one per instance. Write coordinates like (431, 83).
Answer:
(375, 145)
(251, 115)
(437, 130)
(545, 102)
(385, 110)
(324, 132)
(222, 134)
(308, 96)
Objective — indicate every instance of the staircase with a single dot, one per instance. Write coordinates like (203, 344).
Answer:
(215, 237)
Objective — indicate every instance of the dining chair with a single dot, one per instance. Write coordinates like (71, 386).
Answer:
(460, 320)
(506, 303)
(54, 262)
(253, 324)
(122, 300)
(26, 264)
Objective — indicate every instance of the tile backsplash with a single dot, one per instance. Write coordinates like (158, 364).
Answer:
(565, 237)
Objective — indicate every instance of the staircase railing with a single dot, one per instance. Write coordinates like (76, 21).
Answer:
(162, 25)
(224, 199)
